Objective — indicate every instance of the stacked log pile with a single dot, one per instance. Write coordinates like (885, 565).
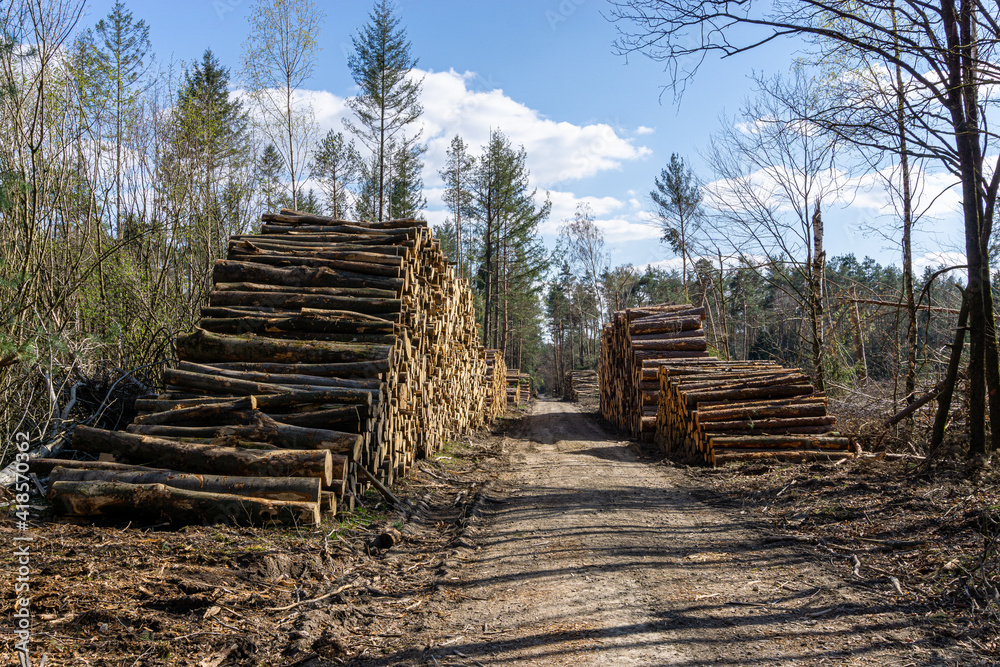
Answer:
(581, 386)
(495, 380)
(519, 387)
(716, 412)
(329, 356)
(633, 345)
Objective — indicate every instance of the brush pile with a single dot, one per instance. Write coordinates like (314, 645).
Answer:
(330, 355)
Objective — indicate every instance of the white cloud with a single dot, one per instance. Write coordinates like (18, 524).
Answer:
(672, 264)
(616, 228)
(557, 151)
(642, 129)
(939, 260)
(935, 193)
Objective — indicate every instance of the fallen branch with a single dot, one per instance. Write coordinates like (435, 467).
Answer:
(386, 493)
(321, 597)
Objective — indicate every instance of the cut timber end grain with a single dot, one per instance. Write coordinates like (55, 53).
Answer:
(657, 380)
(327, 347)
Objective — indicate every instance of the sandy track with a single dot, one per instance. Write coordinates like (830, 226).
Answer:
(588, 555)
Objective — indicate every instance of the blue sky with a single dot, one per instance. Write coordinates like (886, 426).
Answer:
(595, 126)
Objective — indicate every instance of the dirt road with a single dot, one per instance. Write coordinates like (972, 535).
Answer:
(587, 554)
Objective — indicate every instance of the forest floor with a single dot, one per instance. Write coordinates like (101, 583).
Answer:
(551, 541)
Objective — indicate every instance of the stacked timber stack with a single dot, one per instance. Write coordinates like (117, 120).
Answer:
(633, 346)
(717, 411)
(581, 386)
(527, 387)
(514, 394)
(330, 355)
(495, 380)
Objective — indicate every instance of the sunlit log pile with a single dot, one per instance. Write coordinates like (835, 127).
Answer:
(519, 388)
(495, 380)
(633, 345)
(581, 386)
(716, 412)
(330, 355)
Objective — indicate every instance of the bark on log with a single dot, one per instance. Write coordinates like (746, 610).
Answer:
(204, 346)
(175, 505)
(296, 489)
(285, 436)
(359, 369)
(229, 271)
(292, 301)
(226, 383)
(664, 325)
(185, 457)
(334, 387)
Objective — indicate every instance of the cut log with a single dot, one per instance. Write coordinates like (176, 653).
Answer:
(175, 505)
(226, 383)
(664, 325)
(204, 346)
(292, 301)
(228, 271)
(284, 436)
(360, 369)
(43, 467)
(186, 457)
(296, 489)
(242, 411)
(347, 388)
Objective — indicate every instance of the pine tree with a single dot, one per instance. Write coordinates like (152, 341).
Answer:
(272, 190)
(336, 164)
(389, 98)
(406, 199)
(367, 201)
(121, 56)
(211, 138)
(212, 124)
(511, 254)
(457, 176)
(678, 202)
(309, 203)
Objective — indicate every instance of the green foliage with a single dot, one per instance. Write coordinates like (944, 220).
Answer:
(336, 164)
(458, 197)
(279, 56)
(677, 196)
(406, 187)
(273, 193)
(387, 104)
(510, 258)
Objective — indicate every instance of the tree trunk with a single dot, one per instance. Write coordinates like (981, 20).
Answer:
(296, 489)
(187, 457)
(816, 288)
(204, 346)
(176, 505)
(951, 377)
